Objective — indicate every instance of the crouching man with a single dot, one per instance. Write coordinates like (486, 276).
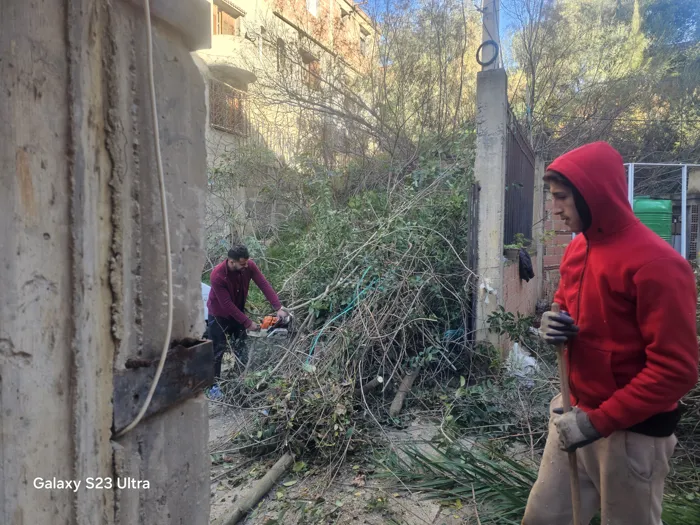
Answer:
(628, 304)
(230, 281)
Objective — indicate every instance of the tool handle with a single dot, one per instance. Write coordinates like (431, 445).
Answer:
(575, 489)
(566, 405)
(563, 372)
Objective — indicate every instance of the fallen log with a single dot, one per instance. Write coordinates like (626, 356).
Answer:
(404, 389)
(260, 489)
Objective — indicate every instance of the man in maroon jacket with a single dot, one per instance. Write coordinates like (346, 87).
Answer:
(628, 304)
(230, 281)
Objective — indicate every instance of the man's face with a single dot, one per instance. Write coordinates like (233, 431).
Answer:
(237, 265)
(565, 207)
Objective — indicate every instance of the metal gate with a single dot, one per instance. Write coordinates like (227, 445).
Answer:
(520, 184)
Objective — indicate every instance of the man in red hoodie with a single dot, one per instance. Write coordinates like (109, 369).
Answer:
(628, 304)
(230, 281)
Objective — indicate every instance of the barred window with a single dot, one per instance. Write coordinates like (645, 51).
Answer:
(227, 108)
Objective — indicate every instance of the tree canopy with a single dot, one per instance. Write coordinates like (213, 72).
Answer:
(626, 71)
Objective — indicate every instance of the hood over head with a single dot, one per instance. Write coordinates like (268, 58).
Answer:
(598, 173)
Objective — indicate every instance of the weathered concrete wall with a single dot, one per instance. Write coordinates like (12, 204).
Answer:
(35, 269)
(82, 255)
(490, 172)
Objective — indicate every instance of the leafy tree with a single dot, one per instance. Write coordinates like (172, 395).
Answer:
(627, 72)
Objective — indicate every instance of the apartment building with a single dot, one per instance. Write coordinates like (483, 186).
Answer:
(292, 44)
(267, 58)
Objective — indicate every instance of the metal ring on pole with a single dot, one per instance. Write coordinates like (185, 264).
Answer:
(495, 53)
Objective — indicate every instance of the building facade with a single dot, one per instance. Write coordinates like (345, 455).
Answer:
(271, 63)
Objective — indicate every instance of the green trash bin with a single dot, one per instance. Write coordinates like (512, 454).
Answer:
(656, 214)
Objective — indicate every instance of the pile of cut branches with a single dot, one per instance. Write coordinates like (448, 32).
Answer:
(380, 287)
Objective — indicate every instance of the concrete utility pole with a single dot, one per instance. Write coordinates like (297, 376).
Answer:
(490, 42)
(490, 169)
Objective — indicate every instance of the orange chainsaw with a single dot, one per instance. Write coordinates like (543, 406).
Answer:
(273, 326)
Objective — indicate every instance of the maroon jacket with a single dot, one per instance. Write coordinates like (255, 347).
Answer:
(229, 291)
(633, 298)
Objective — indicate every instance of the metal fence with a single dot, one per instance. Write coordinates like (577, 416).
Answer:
(676, 184)
(520, 184)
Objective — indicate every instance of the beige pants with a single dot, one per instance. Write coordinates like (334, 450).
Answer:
(622, 475)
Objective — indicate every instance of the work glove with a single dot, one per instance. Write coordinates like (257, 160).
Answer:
(575, 429)
(557, 328)
(282, 314)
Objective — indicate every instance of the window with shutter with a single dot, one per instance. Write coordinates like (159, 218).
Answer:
(229, 25)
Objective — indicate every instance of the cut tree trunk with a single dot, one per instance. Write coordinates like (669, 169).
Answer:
(367, 387)
(260, 489)
(404, 389)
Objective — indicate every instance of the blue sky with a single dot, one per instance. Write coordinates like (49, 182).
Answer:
(377, 7)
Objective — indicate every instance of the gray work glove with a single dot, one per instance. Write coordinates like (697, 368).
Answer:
(282, 314)
(575, 429)
(557, 329)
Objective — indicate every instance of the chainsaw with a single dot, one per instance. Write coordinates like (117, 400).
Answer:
(273, 327)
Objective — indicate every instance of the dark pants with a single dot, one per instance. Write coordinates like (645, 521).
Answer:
(219, 328)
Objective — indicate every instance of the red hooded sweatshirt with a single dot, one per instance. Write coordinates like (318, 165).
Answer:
(633, 298)
(229, 291)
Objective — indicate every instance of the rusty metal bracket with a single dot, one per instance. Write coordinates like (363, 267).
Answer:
(188, 370)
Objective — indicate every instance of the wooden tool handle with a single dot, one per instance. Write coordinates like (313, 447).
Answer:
(563, 371)
(566, 405)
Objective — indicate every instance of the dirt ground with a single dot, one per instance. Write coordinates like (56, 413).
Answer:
(354, 496)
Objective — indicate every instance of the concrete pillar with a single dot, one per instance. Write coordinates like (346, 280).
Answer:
(538, 216)
(490, 172)
(82, 259)
(490, 24)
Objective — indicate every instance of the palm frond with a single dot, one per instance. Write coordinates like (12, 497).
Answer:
(498, 483)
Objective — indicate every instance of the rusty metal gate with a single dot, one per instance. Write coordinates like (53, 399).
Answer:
(520, 183)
